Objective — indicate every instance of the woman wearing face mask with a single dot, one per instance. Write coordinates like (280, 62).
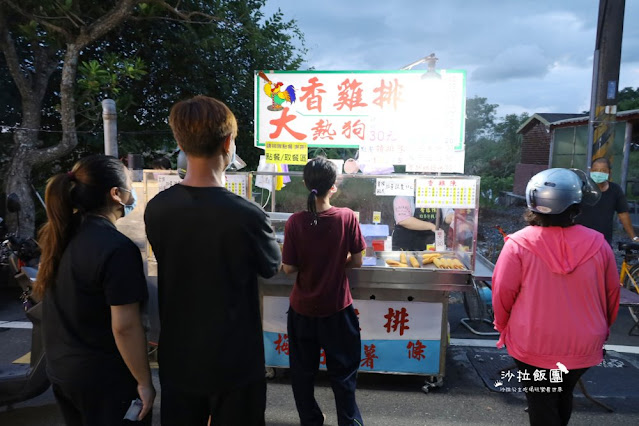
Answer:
(92, 283)
(600, 216)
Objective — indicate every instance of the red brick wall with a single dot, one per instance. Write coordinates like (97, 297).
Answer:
(523, 173)
(535, 146)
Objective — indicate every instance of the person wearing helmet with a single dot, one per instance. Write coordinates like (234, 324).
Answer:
(555, 294)
(600, 216)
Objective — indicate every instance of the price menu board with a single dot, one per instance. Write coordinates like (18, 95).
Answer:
(445, 192)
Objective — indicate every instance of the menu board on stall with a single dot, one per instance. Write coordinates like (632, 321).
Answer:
(393, 117)
(392, 186)
(445, 192)
(167, 181)
(237, 184)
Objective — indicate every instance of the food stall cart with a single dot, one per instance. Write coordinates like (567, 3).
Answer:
(403, 310)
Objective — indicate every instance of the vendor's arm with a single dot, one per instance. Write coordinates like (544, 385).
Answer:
(448, 215)
(506, 284)
(621, 207)
(627, 224)
(415, 224)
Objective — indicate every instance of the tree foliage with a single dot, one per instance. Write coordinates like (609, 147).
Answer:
(480, 119)
(628, 99)
(61, 58)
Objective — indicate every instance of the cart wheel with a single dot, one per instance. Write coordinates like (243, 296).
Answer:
(473, 305)
(269, 373)
(432, 382)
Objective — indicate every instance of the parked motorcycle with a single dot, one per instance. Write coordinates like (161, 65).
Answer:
(20, 382)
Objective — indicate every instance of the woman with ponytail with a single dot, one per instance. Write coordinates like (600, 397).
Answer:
(92, 283)
(319, 244)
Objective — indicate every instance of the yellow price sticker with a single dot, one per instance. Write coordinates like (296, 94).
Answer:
(286, 153)
(377, 217)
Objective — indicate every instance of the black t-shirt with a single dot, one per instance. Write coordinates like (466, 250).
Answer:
(210, 245)
(99, 268)
(600, 216)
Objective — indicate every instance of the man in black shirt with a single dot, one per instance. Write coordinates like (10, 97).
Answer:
(210, 245)
(600, 216)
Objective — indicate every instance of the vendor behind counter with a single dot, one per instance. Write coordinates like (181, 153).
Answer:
(415, 227)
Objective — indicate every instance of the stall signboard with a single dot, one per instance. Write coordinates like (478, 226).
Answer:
(397, 337)
(167, 181)
(394, 187)
(237, 184)
(446, 192)
(286, 153)
(392, 117)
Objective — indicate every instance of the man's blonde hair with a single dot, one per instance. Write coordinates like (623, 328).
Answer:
(201, 125)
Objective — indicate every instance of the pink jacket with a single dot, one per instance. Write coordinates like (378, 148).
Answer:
(555, 296)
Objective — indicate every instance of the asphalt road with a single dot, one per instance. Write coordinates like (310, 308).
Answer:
(384, 399)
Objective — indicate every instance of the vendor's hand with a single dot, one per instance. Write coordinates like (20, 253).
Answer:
(147, 395)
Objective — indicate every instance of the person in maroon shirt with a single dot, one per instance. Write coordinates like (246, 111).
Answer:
(319, 244)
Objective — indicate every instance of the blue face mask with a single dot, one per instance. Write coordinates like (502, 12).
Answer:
(599, 177)
(128, 208)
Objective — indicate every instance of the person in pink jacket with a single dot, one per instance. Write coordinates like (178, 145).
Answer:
(555, 294)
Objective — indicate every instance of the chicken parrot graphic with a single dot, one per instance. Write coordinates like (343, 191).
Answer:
(277, 94)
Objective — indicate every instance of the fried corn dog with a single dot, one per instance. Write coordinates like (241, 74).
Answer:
(402, 257)
(414, 262)
(457, 264)
(431, 255)
(438, 262)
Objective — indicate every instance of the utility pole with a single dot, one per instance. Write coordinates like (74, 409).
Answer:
(605, 80)
(110, 118)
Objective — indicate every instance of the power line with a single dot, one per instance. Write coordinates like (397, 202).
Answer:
(12, 129)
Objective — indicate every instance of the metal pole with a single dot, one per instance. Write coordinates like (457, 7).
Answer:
(110, 117)
(626, 156)
(593, 103)
(608, 49)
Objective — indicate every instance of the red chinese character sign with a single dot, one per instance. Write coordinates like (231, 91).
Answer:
(393, 117)
(402, 337)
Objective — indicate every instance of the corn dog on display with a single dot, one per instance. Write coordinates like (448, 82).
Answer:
(446, 263)
(429, 257)
(412, 260)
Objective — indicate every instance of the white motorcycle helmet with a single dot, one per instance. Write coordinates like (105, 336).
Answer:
(552, 191)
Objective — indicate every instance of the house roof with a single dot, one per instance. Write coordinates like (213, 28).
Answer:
(632, 114)
(547, 118)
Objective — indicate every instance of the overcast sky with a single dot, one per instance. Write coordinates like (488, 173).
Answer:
(525, 55)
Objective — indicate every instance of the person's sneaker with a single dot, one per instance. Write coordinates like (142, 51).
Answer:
(324, 418)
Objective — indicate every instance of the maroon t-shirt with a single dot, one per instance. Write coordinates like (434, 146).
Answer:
(319, 252)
